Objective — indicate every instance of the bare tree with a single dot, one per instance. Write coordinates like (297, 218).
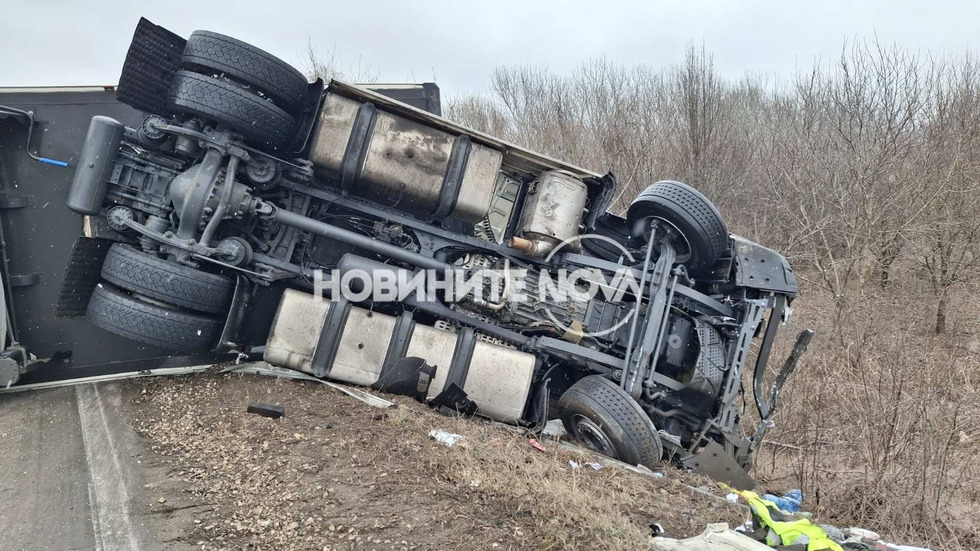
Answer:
(333, 67)
(846, 170)
(949, 236)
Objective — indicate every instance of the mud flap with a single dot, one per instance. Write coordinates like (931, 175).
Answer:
(228, 342)
(712, 461)
(152, 59)
(83, 272)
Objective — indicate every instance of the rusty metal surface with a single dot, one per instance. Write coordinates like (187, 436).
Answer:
(405, 161)
(515, 157)
(554, 208)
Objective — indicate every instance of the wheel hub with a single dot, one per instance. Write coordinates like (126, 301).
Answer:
(592, 435)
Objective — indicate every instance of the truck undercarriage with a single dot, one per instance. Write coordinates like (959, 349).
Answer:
(515, 294)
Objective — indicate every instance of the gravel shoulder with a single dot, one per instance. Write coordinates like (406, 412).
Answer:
(335, 473)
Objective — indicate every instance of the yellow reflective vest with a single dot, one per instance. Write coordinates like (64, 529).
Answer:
(784, 529)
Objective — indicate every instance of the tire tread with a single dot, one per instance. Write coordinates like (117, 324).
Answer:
(255, 118)
(613, 404)
(128, 317)
(209, 51)
(175, 284)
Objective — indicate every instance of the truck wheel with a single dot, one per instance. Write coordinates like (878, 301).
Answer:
(148, 323)
(207, 52)
(176, 284)
(226, 103)
(705, 236)
(608, 420)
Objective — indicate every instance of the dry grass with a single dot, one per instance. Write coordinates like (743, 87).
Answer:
(570, 508)
(880, 425)
(337, 474)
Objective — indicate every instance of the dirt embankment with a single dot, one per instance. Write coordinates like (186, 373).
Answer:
(335, 473)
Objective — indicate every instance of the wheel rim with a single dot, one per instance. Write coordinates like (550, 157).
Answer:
(592, 435)
(682, 247)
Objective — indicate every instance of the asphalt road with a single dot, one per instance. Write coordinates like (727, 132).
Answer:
(67, 471)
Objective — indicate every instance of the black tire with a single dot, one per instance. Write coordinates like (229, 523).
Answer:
(261, 122)
(606, 419)
(170, 329)
(207, 52)
(176, 284)
(694, 216)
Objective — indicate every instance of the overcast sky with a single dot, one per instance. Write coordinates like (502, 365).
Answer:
(458, 43)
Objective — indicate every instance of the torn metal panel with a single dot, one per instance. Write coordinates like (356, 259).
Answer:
(262, 368)
(714, 462)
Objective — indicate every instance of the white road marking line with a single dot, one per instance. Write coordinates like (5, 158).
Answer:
(109, 499)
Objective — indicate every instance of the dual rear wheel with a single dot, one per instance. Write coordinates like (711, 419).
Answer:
(150, 300)
(237, 85)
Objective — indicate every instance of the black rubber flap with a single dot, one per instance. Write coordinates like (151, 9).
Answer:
(455, 399)
(153, 58)
(409, 376)
(81, 276)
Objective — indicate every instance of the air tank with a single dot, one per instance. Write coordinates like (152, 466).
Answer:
(88, 187)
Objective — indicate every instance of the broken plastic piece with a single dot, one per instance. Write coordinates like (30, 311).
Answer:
(266, 410)
(866, 536)
(536, 445)
(409, 376)
(454, 398)
(443, 437)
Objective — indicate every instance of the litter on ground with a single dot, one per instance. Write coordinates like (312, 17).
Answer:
(443, 437)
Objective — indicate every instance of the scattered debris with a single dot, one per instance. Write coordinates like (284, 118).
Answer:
(609, 462)
(782, 528)
(444, 437)
(575, 464)
(790, 501)
(833, 532)
(454, 399)
(866, 536)
(859, 538)
(732, 497)
(266, 410)
(160, 372)
(716, 537)
(536, 445)
(883, 546)
(553, 429)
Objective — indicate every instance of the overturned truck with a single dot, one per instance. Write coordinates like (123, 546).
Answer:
(508, 288)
